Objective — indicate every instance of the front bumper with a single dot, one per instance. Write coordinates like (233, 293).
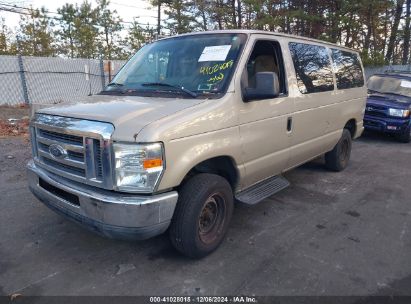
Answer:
(112, 214)
(387, 125)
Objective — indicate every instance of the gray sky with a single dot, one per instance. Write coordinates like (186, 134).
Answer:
(127, 9)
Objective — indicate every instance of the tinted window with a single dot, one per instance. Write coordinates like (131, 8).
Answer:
(312, 67)
(347, 68)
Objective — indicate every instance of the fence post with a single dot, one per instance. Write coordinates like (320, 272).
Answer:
(23, 79)
(103, 76)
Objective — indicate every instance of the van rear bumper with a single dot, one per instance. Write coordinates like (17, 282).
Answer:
(108, 213)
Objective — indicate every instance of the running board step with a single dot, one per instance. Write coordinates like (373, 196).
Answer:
(262, 190)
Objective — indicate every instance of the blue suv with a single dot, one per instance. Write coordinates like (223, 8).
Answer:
(389, 104)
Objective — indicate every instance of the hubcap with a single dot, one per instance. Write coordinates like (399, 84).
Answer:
(212, 217)
(208, 215)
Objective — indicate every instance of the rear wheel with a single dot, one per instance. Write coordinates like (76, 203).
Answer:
(202, 215)
(337, 159)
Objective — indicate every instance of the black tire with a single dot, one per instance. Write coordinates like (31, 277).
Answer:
(405, 137)
(203, 213)
(337, 159)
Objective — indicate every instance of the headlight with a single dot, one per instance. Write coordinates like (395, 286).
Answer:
(138, 167)
(399, 113)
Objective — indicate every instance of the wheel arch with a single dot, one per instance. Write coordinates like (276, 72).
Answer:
(224, 166)
(351, 126)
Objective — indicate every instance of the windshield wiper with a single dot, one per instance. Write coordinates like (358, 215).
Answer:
(396, 94)
(389, 93)
(163, 84)
(115, 84)
(373, 91)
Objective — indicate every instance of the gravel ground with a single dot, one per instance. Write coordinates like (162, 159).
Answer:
(345, 233)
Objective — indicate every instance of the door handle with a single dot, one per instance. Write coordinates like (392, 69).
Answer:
(289, 124)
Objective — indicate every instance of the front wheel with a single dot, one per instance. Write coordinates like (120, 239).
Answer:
(203, 213)
(337, 159)
(405, 137)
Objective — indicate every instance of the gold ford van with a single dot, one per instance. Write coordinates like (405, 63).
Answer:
(192, 124)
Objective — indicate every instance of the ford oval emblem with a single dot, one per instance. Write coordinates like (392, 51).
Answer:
(57, 151)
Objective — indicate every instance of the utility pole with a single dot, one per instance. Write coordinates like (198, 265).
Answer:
(158, 17)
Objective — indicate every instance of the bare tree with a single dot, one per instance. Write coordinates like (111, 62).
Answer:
(407, 33)
(394, 30)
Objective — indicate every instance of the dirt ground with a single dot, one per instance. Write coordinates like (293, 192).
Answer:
(14, 121)
(333, 234)
(18, 112)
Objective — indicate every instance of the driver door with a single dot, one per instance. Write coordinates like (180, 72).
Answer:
(264, 124)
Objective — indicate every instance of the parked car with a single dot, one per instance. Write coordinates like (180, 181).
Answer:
(388, 104)
(192, 124)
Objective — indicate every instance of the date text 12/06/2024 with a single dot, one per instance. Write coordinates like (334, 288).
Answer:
(204, 299)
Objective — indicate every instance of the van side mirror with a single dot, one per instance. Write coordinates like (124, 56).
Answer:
(267, 86)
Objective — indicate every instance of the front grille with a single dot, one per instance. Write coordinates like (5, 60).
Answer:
(63, 167)
(376, 111)
(98, 159)
(372, 123)
(77, 156)
(376, 114)
(73, 148)
(65, 138)
(73, 162)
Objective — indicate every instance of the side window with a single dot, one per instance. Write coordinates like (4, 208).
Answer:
(347, 68)
(265, 57)
(313, 68)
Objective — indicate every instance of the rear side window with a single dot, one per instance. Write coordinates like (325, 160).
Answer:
(347, 68)
(313, 68)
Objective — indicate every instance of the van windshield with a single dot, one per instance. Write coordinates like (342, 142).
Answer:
(189, 65)
(390, 85)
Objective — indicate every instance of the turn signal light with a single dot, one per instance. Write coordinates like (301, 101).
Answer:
(152, 163)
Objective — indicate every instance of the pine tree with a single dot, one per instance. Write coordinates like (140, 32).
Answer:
(179, 18)
(201, 12)
(137, 36)
(67, 29)
(86, 31)
(111, 26)
(6, 46)
(35, 37)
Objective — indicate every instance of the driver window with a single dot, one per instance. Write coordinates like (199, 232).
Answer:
(265, 57)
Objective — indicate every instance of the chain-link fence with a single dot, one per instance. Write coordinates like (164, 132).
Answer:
(45, 80)
(11, 90)
(369, 71)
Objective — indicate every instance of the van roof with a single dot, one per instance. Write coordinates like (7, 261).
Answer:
(250, 32)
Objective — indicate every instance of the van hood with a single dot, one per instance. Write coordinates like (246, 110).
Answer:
(128, 114)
